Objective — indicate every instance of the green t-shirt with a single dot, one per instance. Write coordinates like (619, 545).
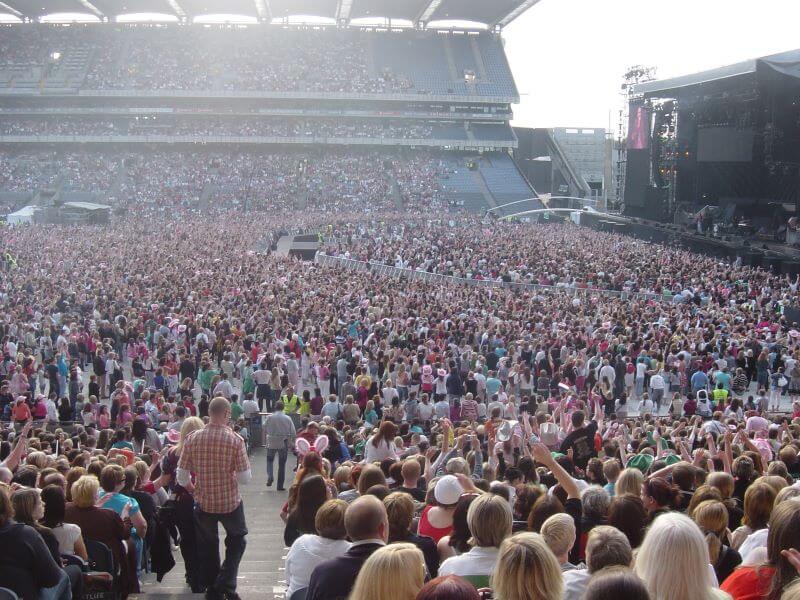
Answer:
(236, 411)
(206, 377)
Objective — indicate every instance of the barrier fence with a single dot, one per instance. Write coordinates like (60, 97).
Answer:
(417, 275)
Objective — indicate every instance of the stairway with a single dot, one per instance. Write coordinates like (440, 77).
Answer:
(481, 75)
(115, 190)
(262, 570)
(394, 190)
(481, 182)
(71, 69)
(209, 190)
(468, 129)
(372, 70)
(451, 63)
(301, 201)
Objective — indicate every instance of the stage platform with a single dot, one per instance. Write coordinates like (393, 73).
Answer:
(297, 245)
(771, 255)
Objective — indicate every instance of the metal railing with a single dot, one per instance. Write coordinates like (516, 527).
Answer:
(380, 96)
(381, 269)
(254, 140)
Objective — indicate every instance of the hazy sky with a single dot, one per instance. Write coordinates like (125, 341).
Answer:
(568, 56)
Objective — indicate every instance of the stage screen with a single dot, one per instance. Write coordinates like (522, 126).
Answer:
(724, 144)
(637, 177)
(638, 128)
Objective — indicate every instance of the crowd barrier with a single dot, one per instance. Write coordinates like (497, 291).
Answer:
(413, 274)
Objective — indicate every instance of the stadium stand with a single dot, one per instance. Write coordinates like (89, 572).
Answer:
(265, 117)
(504, 179)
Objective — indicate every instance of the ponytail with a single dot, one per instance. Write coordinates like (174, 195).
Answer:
(714, 546)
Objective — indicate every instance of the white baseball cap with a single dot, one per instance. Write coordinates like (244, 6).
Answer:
(448, 490)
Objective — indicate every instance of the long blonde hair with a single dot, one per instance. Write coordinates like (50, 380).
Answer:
(673, 560)
(393, 572)
(712, 518)
(189, 425)
(629, 482)
(526, 570)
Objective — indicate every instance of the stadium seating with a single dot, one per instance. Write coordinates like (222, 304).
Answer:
(459, 185)
(505, 182)
(253, 153)
(219, 59)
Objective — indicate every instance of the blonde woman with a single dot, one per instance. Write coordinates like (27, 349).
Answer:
(184, 503)
(489, 519)
(673, 561)
(526, 570)
(629, 482)
(712, 518)
(393, 572)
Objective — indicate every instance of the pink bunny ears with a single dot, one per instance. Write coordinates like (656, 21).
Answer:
(303, 447)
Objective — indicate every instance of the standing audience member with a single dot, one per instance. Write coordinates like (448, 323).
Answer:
(218, 459)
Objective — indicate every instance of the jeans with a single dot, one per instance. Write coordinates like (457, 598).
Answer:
(264, 395)
(60, 591)
(220, 579)
(639, 387)
(184, 521)
(657, 395)
(282, 454)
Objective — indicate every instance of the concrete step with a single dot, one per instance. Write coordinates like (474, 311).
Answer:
(261, 572)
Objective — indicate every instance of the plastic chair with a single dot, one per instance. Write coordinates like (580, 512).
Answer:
(18, 582)
(7, 594)
(299, 594)
(100, 557)
(72, 559)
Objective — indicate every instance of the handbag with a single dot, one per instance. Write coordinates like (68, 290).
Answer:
(782, 381)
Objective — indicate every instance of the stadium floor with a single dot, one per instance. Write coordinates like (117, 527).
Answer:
(261, 573)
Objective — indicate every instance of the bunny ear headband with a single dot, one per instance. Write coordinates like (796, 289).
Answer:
(303, 447)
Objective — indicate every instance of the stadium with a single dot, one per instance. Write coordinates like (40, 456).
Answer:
(201, 115)
(289, 309)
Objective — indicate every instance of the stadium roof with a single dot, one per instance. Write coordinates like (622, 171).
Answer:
(490, 13)
(785, 63)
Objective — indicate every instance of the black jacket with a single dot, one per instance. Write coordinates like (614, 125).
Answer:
(429, 551)
(26, 565)
(334, 578)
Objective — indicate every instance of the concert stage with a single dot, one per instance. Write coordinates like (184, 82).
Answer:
(302, 246)
(727, 139)
(769, 255)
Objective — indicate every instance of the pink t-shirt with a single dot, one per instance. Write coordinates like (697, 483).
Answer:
(756, 423)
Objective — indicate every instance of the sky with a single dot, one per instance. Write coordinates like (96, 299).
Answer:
(568, 56)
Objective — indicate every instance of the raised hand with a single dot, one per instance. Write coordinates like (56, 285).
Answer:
(793, 556)
(541, 454)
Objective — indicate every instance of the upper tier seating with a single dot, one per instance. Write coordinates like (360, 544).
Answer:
(263, 58)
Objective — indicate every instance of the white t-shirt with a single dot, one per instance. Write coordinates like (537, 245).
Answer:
(250, 408)
(389, 394)
(262, 376)
(306, 553)
(478, 561)
(575, 583)
(66, 534)
(479, 377)
(641, 369)
(756, 423)
(425, 411)
(757, 539)
(657, 382)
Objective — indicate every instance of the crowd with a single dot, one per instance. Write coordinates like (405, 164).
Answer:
(560, 442)
(208, 126)
(333, 180)
(240, 59)
(559, 255)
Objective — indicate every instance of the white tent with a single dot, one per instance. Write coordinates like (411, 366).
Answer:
(23, 215)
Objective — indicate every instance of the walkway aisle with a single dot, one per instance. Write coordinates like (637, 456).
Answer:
(261, 573)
